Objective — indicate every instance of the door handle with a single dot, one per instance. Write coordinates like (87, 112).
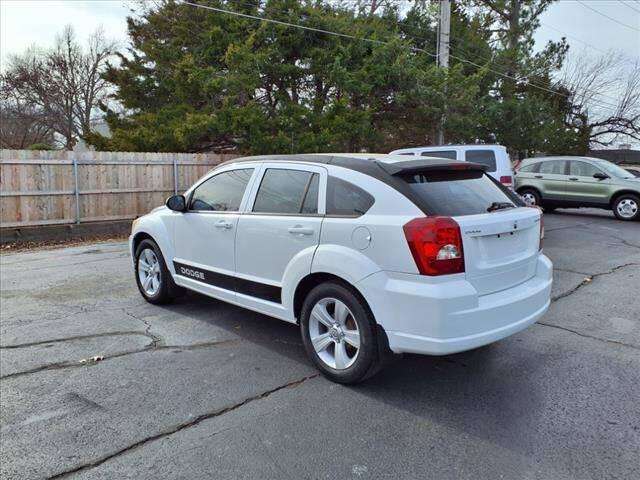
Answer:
(539, 176)
(224, 224)
(300, 230)
(573, 179)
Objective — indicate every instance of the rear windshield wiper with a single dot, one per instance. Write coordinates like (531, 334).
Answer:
(500, 206)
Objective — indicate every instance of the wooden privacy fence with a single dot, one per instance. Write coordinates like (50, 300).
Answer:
(53, 187)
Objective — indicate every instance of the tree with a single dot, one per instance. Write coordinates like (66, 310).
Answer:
(526, 108)
(64, 84)
(606, 91)
(200, 80)
(22, 125)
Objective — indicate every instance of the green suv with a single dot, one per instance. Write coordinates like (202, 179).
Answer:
(555, 182)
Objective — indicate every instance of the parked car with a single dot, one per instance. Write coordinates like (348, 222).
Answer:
(369, 254)
(554, 182)
(495, 157)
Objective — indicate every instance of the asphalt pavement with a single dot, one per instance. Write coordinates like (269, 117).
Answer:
(95, 383)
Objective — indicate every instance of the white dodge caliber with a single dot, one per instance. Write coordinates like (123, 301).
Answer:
(368, 253)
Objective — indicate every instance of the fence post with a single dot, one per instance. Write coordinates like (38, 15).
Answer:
(175, 176)
(76, 190)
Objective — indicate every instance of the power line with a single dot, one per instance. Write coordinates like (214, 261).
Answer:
(629, 6)
(575, 38)
(488, 61)
(287, 24)
(607, 16)
(379, 42)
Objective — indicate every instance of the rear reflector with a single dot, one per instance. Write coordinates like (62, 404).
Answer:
(436, 245)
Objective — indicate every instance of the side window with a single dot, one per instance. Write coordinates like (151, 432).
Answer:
(222, 192)
(582, 169)
(451, 154)
(483, 157)
(287, 191)
(532, 168)
(344, 198)
(407, 153)
(555, 167)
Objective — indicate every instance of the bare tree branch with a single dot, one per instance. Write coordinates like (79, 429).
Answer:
(64, 83)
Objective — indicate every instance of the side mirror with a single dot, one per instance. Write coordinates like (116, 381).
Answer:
(600, 176)
(177, 203)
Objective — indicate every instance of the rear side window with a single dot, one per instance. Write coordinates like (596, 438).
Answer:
(582, 169)
(346, 199)
(532, 168)
(554, 167)
(287, 191)
(222, 192)
(483, 157)
(451, 154)
(453, 193)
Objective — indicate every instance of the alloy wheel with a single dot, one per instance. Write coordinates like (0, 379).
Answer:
(149, 271)
(334, 333)
(627, 208)
(529, 199)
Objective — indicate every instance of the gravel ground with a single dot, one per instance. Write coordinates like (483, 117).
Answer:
(202, 389)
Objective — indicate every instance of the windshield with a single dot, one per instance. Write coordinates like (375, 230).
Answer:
(613, 169)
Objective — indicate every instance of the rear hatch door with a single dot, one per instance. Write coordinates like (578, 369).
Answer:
(500, 236)
(501, 248)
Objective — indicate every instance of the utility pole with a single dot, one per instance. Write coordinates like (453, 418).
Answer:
(444, 27)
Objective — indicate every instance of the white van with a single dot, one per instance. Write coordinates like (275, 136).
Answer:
(495, 157)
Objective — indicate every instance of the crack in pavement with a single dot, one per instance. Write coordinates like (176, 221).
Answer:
(156, 339)
(77, 337)
(148, 348)
(182, 426)
(566, 227)
(589, 279)
(586, 335)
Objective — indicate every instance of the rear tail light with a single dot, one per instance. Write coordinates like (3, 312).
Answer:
(507, 181)
(436, 245)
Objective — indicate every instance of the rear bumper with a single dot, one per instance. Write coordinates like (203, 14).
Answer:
(435, 317)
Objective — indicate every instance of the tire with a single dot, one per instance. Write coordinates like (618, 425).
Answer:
(530, 196)
(627, 207)
(339, 359)
(164, 290)
(549, 209)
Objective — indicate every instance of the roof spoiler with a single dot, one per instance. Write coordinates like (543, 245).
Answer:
(417, 166)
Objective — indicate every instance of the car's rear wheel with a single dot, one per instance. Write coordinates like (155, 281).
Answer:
(530, 197)
(627, 207)
(152, 276)
(338, 333)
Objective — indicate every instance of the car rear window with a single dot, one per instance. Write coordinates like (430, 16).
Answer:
(483, 157)
(441, 154)
(455, 193)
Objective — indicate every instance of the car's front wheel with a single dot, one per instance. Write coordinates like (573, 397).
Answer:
(627, 207)
(152, 276)
(338, 333)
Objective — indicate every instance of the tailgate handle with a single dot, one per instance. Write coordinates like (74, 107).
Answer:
(539, 176)
(573, 179)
